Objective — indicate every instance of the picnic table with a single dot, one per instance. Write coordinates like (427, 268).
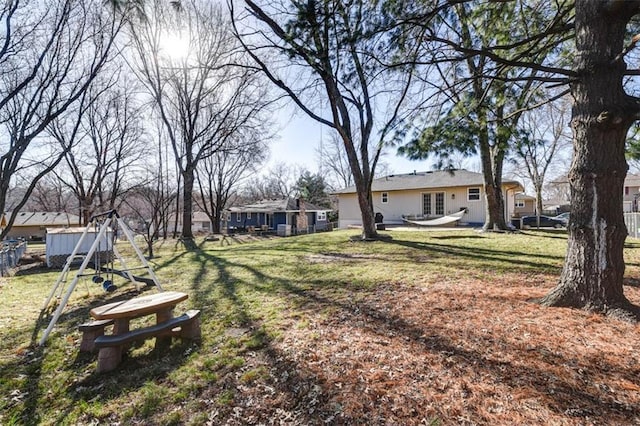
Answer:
(121, 313)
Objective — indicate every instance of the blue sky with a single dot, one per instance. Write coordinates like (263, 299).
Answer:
(301, 136)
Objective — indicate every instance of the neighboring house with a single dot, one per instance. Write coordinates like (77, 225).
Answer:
(33, 225)
(631, 196)
(200, 223)
(300, 215)
(555, 206)
(631, 193)
(525, 205)
(426, 195)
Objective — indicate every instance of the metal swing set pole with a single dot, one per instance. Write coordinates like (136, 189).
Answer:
(111, 215)
(67, 295)
(141, 257)
(66, 268)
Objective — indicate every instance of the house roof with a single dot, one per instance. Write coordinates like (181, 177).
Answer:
(44, 219)
(630, 180)
(196, 216)
(555, 202)
(521, 196)
(431, 179)
(277, 205)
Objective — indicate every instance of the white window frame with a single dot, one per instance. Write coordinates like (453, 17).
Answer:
(384, 197)
(436, 204)
(469, 195)
(426, 206)
(322, 215)
(439, 201)
(520, 204)
(248, 215)
(238, 217)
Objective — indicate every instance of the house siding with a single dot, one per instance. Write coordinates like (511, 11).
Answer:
(631, 191)
(528, 209)
(409, 202)
(403, 203)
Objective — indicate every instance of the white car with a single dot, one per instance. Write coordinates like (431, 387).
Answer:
(563, 217)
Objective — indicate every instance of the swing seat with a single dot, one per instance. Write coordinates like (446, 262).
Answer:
(109, 286)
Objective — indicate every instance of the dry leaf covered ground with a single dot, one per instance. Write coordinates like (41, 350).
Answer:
(476, 353)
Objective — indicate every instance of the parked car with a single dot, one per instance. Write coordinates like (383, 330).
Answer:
(563, 217)
(545, 222)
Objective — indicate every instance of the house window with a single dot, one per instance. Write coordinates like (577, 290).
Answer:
(385, 197)
(248, 215)
(426, 204)
(473, 194)
(321, 216)
(433, 203)
(520, 204)
(238, 216)
(206, 225)
(626, 190)
(439, 203)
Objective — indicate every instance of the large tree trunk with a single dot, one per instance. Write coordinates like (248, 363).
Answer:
(187, 204)
(365, 201)
(601, 115)
(217, 218)
(492, 159)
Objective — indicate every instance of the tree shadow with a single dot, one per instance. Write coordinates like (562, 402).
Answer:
(488, 256)
(215, 281)
(564, 398)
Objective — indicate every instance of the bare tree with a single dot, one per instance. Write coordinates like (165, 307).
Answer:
(50, 53)
(324, 53)
(220, 175)
(202, 97)
(149, 205)
(107, 141)
(544, 134)
(276, 183)
(51, 195)
(558, 188)
(334, 162)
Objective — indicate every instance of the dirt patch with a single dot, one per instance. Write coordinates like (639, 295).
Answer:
(339, 257)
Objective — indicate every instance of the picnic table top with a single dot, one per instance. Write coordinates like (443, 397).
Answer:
(139, 306)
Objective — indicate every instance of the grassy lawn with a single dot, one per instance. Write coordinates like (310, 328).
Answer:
(426, 328)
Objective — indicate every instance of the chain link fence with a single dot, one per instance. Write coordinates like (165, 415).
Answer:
(632, 221)
(10, 253)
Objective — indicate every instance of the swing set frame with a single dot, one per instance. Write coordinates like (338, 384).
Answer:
(108, 219)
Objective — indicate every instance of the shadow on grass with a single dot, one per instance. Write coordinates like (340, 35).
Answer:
(456, 237)
(489, 257)
(220, 294)
(34, 362)
(565, 398)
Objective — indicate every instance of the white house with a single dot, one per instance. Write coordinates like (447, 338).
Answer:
(426, 195)
(34, 225)
(200, 223)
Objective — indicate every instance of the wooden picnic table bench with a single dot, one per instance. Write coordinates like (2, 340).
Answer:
(111, 347)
